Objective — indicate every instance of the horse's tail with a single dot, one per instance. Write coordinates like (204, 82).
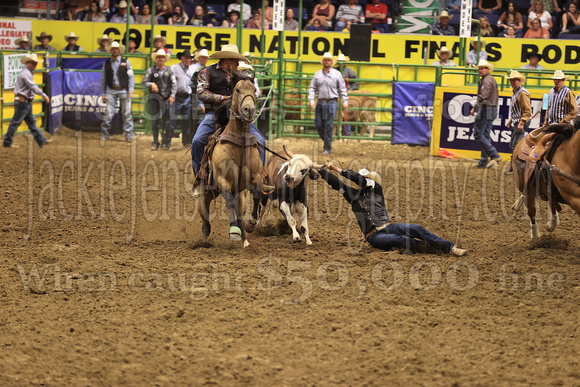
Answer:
(564, 132)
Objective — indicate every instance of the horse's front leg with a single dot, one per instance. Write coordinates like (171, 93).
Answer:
(235, 231)
(531, 205)
(554, 219)
(256, 215)
(203, 207)
(240, 212)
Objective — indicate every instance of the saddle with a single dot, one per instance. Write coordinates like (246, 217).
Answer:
(533, 152)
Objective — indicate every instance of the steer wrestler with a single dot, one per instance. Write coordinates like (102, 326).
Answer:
(368, 205)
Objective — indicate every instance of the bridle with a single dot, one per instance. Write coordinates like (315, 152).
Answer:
(238, 116)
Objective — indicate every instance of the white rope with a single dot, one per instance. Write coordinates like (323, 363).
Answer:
(265, 102)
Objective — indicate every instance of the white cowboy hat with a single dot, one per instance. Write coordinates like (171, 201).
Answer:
(370, 175)
(341, 58)
(30, 58)
(71, 35)
(516, 75)
(328, 55)
(160, 52)
(158, 36)
(21, 39)
(484, 63)
(559, 74)
(202, 52)
(229, 51)
(104, 37)
(122, 4)
(244, 66)
(445, 14)
(483, 42)
(444, 49)
(116, 45)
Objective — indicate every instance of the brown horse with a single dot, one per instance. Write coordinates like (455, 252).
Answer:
(235, 161)
(557, 180)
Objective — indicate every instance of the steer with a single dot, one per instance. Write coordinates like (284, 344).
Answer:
(290, 178)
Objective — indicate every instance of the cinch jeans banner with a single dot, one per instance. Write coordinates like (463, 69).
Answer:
(413, 112)
(54, 91)
(453, 125)
(83, 106)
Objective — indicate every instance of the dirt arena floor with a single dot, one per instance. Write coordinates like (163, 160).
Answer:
(103, 280)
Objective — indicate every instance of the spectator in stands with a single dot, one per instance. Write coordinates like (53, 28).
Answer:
(232, 20)
(349, 12)
(121, 15)
(72, 38)
(211, 18)
(145, 16)
(548, 5)
(179, 17)
(348, 74)
(94, 13)
(486, 30)
(540, 13)
(290, 24)
(454, 7)
(236, 7)
(44, 39)
(571, 20)
(443, 27)
(133, 47)
(445, 56)
(376, 12)
(104, 5)
(512, 18)
(315, 26)
(487, 7)
(159, 42)
(472, 59)
(163, 11)
(255, 22)
(347, 27)
(72, 12)
(103, 42)
(269, 12)
(323, 12)
(533, 59)
(510, 32)
(197, 19)
(537, 32)
(22, 43)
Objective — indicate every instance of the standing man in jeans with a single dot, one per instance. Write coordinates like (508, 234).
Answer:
(328, 84)
(183, 72)
(486, 109)
(24, 91)
(117, 83)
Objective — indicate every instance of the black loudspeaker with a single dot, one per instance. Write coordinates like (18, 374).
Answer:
(359, 47)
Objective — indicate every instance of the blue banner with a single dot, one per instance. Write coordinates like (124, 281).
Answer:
(83, 106)
(412, 113)
(54, 91)
(83, 63)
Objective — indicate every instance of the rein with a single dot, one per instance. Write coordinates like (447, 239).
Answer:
(574, 178)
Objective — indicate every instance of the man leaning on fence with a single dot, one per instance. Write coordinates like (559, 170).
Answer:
(117, 83)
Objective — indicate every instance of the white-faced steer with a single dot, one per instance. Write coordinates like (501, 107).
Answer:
(290, 178)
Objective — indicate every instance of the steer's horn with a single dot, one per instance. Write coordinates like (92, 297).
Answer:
(317, 166)
(287, 151)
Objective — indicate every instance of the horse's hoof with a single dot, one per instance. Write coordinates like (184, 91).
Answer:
(553, 223)
(535, 232)
(251, 225)
(246, 243)
(235, 233)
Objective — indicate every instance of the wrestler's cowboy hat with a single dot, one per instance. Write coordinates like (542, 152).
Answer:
(444, 49)
(44, 35)
(200, 53)
(116, 45)
(160, 52)
(122, 4)
(559, 74)
(516, 75)
(71, 35)
(540, 56)
(370, 175)
(243, 65)
(30, 58)
(341, 58)
(328, 55)
(160, 37)
(483, 42)
(484, 63)
(229, 51)
(104, 37)
(21, 39)
(186, 52)
(445, 14)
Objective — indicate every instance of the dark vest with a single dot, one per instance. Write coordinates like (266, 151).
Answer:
(75, 48)
(121, 74)
(218, 83)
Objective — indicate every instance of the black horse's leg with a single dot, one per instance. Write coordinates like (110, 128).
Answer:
(257, 195)
(235, 231)
(203, 207)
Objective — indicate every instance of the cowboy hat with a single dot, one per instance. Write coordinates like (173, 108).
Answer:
(559, 74)
(116, 45)
(444, 49)
(328, 55)
(484, 63)
(104, 37)
(159, 53)
(229, 51)
(370, 175)
(202, 52)
(71, 35)
(44, 35)
(483, 42)
(445, 14)
(158, 37)
(341, 58)
(243, 65)
(184, 53)
(516, 75)
(21, 39)
(30, 58)
(122, 4)
(540, 57)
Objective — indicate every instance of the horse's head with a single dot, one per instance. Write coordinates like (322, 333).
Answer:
(243, 97)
